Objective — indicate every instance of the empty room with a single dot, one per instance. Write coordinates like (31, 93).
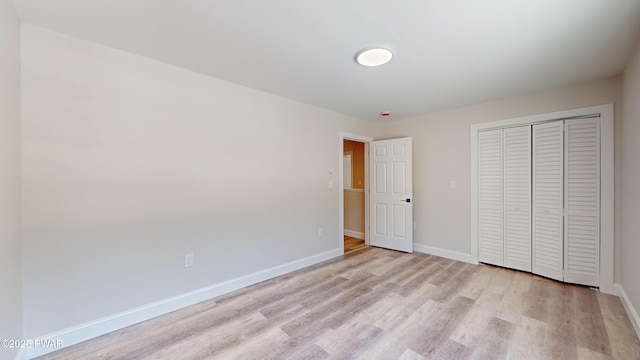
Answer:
(319, 179)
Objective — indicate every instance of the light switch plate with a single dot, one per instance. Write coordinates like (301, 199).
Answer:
(188, 260)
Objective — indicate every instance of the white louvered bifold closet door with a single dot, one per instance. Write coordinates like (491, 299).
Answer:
(582, 202)
(517, 198)
(548, 156)
(490, 229)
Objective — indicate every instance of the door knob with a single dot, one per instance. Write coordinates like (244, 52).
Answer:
(407, 200)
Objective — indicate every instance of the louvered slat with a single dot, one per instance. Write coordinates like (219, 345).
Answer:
(517, 198)
(582, 201)
(491, 197)
(548, 165)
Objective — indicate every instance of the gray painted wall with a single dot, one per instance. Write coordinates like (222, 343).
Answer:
(10, 278)
(129, 164)
(630, 245)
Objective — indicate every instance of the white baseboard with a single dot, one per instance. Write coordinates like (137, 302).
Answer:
(354, 234)
(90, 330)
(453, 255)
(631, 311)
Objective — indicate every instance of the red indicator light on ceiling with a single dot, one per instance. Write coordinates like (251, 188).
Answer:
(385, 114)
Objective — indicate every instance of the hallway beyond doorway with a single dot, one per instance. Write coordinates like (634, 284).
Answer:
(352, 244)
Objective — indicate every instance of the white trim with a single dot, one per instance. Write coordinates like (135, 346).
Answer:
(606, 199)
(606, 176)
(475, 239)
(90, 330)
(342, 136)
(628, 306)
(354, 234)
(449, 254)
(524, 120)
(22, 354)
(367, 192)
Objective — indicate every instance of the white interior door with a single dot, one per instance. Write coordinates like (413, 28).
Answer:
(517, 198)
(582, 202)
(548, 195)
(391, 196)
(491, 222)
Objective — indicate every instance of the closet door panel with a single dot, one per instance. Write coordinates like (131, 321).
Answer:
(582, 201)
(517, 198)
(548, 195)
(491, 197)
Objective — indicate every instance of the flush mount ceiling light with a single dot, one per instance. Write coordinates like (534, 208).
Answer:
(374, 57)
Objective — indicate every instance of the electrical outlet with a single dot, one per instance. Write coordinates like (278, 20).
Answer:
(452, 184)
(188, 260)
(415, 225)
(320, 231)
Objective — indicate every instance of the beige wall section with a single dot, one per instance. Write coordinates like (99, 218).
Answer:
(128, 164)
(357, 148)
(630, 244)
(354, 213)
(10, 268)
(441, 153)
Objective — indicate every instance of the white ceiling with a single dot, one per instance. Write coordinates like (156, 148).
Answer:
(447, 53)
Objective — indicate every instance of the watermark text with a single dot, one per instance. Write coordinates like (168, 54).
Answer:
(37, 343)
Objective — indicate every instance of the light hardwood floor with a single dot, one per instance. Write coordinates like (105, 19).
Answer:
(351, 244)
(381, 304)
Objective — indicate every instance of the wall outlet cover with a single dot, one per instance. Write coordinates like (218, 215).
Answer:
(188, 260)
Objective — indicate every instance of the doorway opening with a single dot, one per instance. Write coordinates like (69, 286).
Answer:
(354, 197)
(354, 190)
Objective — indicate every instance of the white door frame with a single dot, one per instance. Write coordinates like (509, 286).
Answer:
(606, 178)
(342, 136)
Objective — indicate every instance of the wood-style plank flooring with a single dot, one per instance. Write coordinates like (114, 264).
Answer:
(381, 304)
(352, 244)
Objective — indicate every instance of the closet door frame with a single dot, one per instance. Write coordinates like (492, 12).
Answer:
(606, 179)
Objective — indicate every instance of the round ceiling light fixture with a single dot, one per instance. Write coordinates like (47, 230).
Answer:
(374, 57)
